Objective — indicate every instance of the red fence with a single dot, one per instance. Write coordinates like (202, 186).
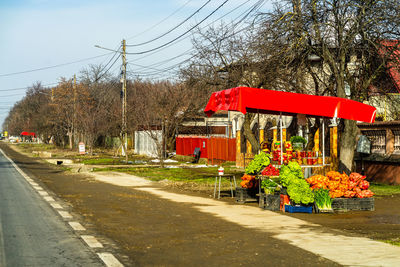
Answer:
(215, 149)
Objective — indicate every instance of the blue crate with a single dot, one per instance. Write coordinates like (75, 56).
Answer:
(296, 209)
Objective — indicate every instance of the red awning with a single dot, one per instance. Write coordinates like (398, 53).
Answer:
(28, 134)
(246, 99)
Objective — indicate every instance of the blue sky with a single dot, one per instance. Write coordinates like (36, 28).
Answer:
(42, 33)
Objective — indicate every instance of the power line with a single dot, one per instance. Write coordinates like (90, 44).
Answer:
(12, 95)
(158, 23)
(145, 56)
(183, 34)
(174, 28)
(170, 68)
(50, 67)
(27, 87)
(248, 11)
(102, 75)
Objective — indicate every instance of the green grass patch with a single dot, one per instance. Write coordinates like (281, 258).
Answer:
(41, 147)
(197, 175)
(392, 242)
(101, 161)
(384, 189)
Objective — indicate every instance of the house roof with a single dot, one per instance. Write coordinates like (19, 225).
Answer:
(379, 124)
(391, 47)
(247, 99)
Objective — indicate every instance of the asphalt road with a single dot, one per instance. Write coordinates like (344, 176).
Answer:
(31, 232)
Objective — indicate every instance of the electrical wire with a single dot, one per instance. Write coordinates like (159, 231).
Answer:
(158, 23)
(253, 8)
(180, 36)
(172, 29)
(12, 95)
(51, 67)
(27, 87)
(168, 69)
(187, 51)
(102, 75)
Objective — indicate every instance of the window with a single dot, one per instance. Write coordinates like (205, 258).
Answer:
(378, 140)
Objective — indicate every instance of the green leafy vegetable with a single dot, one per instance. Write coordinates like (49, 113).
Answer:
(300, 192)
(258, 163)
(289, 173)
(298, 139)
(269, 186)
(292, 177)
(322, 199)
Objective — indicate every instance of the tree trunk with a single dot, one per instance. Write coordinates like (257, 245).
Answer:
(70, 139)
(248, 133)
(347, 146)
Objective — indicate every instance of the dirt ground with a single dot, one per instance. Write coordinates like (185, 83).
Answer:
(146, 231)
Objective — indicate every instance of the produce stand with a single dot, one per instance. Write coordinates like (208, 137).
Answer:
(245, 99)
(254, 100)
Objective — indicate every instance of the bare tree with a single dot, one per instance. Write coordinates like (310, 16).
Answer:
(225, 57)
(338, 44)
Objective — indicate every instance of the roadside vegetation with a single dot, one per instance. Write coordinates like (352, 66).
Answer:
(180, 171)
(202, 175)
(384, 189)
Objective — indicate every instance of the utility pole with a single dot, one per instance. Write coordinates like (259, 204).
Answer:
(124, 111)
(124, 138)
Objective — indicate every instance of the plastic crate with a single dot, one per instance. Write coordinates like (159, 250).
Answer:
(269, 202)
(318, 210)
(348, 204)
(244, 195)
(298, 209)
(284, 200)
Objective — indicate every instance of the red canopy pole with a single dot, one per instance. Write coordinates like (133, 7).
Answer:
(281, 135)
(323, 142)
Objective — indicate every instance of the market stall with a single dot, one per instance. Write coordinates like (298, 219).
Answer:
(245, 99)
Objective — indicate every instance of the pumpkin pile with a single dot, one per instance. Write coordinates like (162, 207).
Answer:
(342, 185)
(249, 181)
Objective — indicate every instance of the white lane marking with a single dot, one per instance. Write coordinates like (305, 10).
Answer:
(109, 260)
(43, 193)
(49, 199)
(91, 241)
(77, 226)
(2, 247)
(64, 214)
(56, 206)
(15, 165)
